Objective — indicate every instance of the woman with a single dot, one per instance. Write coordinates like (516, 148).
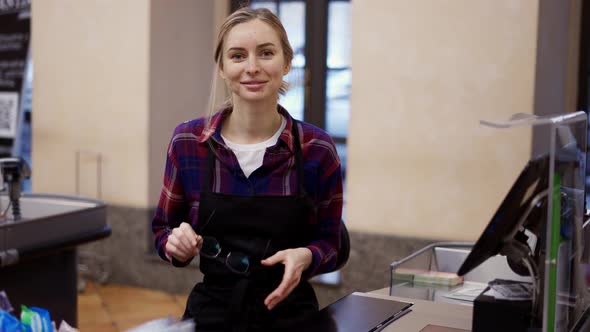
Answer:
(255, 193)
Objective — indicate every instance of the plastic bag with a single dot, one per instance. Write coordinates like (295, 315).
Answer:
(37, 319)
(9, 323)
(65, 327)
(45, 319)
(167, 324)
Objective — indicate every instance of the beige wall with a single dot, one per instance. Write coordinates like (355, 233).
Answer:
(114, 78)
(90, 93)
(424, 74)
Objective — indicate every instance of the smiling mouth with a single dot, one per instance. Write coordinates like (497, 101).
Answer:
(254, 83)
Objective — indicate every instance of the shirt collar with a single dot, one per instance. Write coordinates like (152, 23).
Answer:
(213, 131)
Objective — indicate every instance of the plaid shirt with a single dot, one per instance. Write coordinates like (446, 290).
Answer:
(186, 162)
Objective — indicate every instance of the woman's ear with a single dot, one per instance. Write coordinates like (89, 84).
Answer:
(287, 69)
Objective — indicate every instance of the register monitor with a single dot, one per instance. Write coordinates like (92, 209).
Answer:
(522, 206)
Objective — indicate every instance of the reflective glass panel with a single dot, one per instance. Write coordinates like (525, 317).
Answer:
(292, 14)
(338, 77)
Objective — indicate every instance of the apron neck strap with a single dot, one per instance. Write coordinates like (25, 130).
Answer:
(298, 161)
(209, 167)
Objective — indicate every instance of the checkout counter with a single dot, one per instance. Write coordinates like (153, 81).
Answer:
(38, 261)
(447, 306)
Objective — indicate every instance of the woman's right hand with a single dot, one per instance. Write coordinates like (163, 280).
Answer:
(183, 243)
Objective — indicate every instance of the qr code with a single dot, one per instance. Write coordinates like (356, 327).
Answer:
(8, 113)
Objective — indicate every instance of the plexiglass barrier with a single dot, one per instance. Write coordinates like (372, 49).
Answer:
(559, 248)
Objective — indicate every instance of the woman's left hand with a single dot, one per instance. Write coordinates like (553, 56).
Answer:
(295, 261)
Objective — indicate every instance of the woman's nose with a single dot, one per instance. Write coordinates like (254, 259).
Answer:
(253, 66)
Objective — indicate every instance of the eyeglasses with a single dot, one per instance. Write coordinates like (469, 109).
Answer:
(237, 262)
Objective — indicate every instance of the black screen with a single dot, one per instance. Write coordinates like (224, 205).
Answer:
(532, 180)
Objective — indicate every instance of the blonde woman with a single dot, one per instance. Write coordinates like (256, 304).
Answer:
(255, 193)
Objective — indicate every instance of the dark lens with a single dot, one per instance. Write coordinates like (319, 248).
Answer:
(211, 247)
(238, 262)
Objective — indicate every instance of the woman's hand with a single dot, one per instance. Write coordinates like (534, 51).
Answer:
(183, 243)
(295, 261)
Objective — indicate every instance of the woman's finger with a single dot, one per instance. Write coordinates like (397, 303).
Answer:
(274, 259)
(281, 295)
(189, 237)
(290, 280)
(199, 245)
(175, 252)
(176, 238)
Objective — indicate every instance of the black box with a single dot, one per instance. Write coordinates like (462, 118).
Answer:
(491, 315)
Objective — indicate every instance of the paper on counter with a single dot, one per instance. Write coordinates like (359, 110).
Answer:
(468, 292)
(511, 292)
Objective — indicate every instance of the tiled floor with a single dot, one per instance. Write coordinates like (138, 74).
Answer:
(112, 308)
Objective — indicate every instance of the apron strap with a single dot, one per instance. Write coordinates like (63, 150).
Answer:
(298, 162)
(209, 167)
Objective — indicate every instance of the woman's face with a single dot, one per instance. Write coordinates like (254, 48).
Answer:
(253, 62)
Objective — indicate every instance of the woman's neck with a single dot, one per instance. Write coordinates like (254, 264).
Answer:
(250, 123)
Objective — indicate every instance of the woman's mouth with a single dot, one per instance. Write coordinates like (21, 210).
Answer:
(254, 85)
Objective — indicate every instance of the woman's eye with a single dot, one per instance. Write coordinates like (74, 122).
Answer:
(237, 56)
(267, 53)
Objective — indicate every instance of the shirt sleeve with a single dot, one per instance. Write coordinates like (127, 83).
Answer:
(326, 243)
(172, 207)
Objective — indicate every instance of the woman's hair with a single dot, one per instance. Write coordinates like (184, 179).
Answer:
(244, 15)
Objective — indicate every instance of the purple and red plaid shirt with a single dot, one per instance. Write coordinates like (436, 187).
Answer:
(186, 162)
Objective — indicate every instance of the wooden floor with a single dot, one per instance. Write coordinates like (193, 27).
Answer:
(114, 308)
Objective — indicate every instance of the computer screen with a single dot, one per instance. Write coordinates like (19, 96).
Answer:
(532, 180)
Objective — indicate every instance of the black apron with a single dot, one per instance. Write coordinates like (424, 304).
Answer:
(257, 226)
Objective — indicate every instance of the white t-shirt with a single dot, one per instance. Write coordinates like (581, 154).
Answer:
(250, 156)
